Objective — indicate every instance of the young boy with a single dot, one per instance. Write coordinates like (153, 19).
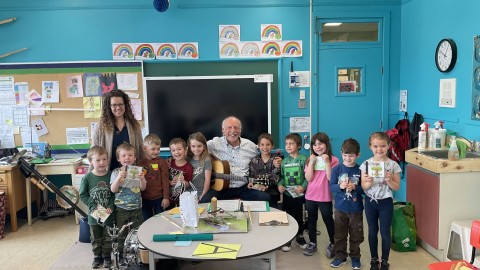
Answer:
(181, 171)
(155, 198)
(293, 184)
(94, 192)
(128, 199)
(347, 189)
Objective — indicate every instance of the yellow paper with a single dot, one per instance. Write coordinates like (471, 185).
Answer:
(217, 250)
(93, 105)
(176, 210)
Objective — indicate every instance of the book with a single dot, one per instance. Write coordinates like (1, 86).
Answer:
(235, 205)
(376, 168)
(292, 190)
(100, 214)
(277, 218)
(133, 171)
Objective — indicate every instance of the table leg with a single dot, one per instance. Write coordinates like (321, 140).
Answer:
(273, 261)
(151, 260)
(29, 201)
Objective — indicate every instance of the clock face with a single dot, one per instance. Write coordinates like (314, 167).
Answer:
(446, 55)
(476, 78)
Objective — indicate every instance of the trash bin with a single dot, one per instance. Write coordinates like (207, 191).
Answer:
(84, 236)
(2, 213)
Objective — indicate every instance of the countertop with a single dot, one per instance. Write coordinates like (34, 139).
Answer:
(440, 165)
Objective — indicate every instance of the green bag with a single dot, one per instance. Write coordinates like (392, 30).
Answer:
(404, 231)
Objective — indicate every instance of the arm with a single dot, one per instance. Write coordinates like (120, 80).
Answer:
(85, 194)
(206, 185)
(143, 181)
(366, 181)
(334, 186)
(393, 178)
(310, 164)
(116, 179)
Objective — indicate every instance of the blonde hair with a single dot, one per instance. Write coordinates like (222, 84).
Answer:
(198, 136)
(152, 139)
(177, 141)
(96, 150)
(125, 147)
(379, 135)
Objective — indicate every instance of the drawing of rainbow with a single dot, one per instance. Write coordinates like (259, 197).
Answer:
(229, 50)
(292, 48)
(188, 50)
(250, 49)
(230, 32)
(144, 51)
(123, 51)
(166, 50)
(271, 32)
(271, 48)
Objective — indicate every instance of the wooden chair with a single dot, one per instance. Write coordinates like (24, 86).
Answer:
(474, 241)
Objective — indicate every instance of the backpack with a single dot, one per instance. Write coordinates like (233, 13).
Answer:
(414, 128)
(399, 139)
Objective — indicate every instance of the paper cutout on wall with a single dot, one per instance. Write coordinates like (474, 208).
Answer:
(165, 50)
(127, 81)
(271, 49)
(21, 89)
(50, 92)
(39, 127)
(229, 32)
(123, 51)
(108, 81)
(187, 50)
(271, 32)
(229, 49)
(74, 86)
(292, 48)
(144, 51)
(93, 106)
(250, 49)
(92, 84)
(34, 97)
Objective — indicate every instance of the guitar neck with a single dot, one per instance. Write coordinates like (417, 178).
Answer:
(239, 178)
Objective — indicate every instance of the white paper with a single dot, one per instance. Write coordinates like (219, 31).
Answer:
(403, 100)
(21, 89)
(7, 141)
(50, 92)
(93, 127)
(28, 135)
(136, 108)
(20, 116)
(299, 124)
(6, 115)
(39, 126)
(299, 79)
(77, 135)
(34, 97)
(7, 93)
(127, 81)
(132, 95)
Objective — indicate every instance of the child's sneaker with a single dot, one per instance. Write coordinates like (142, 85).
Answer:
(311, 248)
(300, 240)
(97, 261)
(384, 265)
(107, 262)
(287, 247)
(356, 264)
(329, 252)
(374, 264)
(338, 262)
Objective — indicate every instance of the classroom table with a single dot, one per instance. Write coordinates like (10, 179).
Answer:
(67, 166)
(259, 241)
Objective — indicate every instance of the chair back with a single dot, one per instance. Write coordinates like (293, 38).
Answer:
(475, 238)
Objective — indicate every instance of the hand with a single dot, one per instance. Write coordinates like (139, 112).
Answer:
(388, 176)
(109, 211)
(326, 158)
(173, 182)
(343, 184)
(350, 186)
(312, 159)
(121, 175)
(165, 203)
(277, 162)
(281, 189)
(250, 185)
(299, 189)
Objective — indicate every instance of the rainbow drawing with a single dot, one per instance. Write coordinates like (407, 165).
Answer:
(292, 48)
(229, 32)
(166, 51)
(271, 49)
(271, 32)
(122, 50)
(250, 49)
(144, 51)
(188, 50)
(229, 50)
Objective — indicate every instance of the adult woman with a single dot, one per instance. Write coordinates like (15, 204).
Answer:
(117, 125)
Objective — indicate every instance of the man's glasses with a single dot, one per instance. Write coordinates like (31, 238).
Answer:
(117, 105)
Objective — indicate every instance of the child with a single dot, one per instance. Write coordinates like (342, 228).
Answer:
(318, 196)
(181, 172)
(345, 185)
(379, 202)
(155, 197)
(128, 199)
(199, 158)
(95, 191)
(262, 166)
(292, 180)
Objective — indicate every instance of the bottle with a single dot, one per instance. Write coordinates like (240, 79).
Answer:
(437, 137)
(453, 150)
(422, 137)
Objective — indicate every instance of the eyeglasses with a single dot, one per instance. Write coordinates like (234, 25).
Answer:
(117, 105)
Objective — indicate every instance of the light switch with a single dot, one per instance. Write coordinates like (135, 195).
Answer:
(302, 94)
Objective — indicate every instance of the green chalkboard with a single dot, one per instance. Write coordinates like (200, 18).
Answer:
(205, 68)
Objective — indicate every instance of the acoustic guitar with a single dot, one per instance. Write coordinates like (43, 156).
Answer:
(221, 176)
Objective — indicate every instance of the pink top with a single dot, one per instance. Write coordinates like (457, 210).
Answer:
(318, 189)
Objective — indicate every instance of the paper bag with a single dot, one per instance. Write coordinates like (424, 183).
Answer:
(188, 208)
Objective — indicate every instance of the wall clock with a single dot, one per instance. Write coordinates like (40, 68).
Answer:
(446, 55)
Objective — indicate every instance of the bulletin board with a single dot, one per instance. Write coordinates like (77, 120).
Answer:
(57, 121)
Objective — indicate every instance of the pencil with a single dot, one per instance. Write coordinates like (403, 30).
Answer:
(171, 222)
(249, 214)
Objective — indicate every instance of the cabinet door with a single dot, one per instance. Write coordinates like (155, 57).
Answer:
(423, 190)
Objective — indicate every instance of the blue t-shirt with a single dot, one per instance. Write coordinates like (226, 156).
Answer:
(347, 202)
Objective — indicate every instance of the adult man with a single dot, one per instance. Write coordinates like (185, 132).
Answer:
(238, 152)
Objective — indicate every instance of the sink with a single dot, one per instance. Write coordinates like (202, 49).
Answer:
(443, 154)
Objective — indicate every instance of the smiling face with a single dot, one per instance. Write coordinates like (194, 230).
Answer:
(99, 163)
(151, 151)
(379, 148)
(319, 148)
(265, 146)
(349, 160)
(196, 147)
(117, 106)
(232, 129)
(126, 157)
(291, 147)
(179, 152)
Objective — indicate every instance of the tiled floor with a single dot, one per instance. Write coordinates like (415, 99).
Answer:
(40, 245)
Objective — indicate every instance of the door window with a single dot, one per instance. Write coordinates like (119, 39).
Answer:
(349, 32)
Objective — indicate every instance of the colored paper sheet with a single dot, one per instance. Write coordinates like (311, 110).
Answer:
(217, 250)
(74, 86)
(94, 106)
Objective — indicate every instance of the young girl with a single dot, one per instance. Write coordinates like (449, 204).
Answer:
(199, 157)
(317, 172)
(264, 166)
(379, 202)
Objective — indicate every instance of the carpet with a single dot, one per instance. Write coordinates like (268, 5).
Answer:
(79, 257)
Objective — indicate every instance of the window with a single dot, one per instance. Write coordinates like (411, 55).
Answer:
(349, 32)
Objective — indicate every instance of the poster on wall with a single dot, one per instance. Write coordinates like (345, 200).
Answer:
(144, 51)
(249, 49)
(271, 49)
(229, 49)
(292, 48)
(165, 50)
(50, 91)
(92, 84)
(123, 51)
(229, 32)
(74, 86)
(271, 32)
(187, 50)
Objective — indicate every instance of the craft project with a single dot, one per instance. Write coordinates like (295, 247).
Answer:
(217, 250)
(271, 49)
(376, 169)
(74, 86)
(229, 50)
(166, 50)
(250, 49)
(92, 84)
(133, 171)
(228, 32)
(320, 164)
(123, 51)
(271, 32)
(292, 48)
(292, 190)
(100, 214)
(50, 91)
(188, 50)
(272, 218)
(108, 81)
(93, 107)
(127, 81)
(144, 51)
